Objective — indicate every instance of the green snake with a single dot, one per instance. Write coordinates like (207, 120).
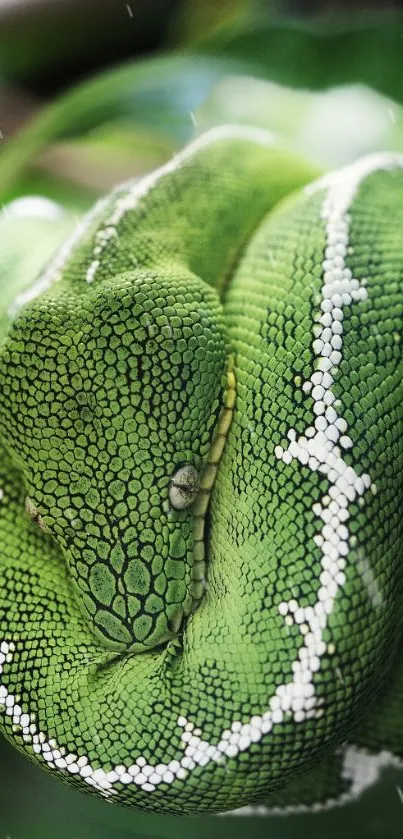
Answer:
(201, 483)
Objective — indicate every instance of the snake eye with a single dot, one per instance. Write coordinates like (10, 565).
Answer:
(34, 514)
(183, 487)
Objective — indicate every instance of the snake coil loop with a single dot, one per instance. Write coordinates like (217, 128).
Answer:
(201, 484)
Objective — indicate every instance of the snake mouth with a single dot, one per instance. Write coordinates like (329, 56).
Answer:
(201, 509)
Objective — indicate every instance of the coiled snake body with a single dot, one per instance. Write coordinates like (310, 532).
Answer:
(201, 482)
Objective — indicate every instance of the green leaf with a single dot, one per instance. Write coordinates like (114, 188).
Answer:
(159, 94)
(343, 49)
(332, 128)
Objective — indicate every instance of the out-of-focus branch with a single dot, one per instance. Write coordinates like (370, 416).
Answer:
(99, 170)
(16, 108)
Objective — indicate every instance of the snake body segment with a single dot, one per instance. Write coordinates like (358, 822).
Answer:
(156, 661)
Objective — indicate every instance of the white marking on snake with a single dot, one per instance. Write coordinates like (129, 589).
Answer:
(320, 447)
(137, 190)
(360, 769)
(320, 450)
(53, 272)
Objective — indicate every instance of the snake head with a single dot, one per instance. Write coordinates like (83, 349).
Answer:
(109, 397)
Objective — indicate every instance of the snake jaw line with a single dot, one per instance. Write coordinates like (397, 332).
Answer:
(206, 485)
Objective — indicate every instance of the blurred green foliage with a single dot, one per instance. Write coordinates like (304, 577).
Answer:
(44, 44)
(151, 104)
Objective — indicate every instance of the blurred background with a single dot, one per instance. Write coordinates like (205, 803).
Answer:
(94, 92)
